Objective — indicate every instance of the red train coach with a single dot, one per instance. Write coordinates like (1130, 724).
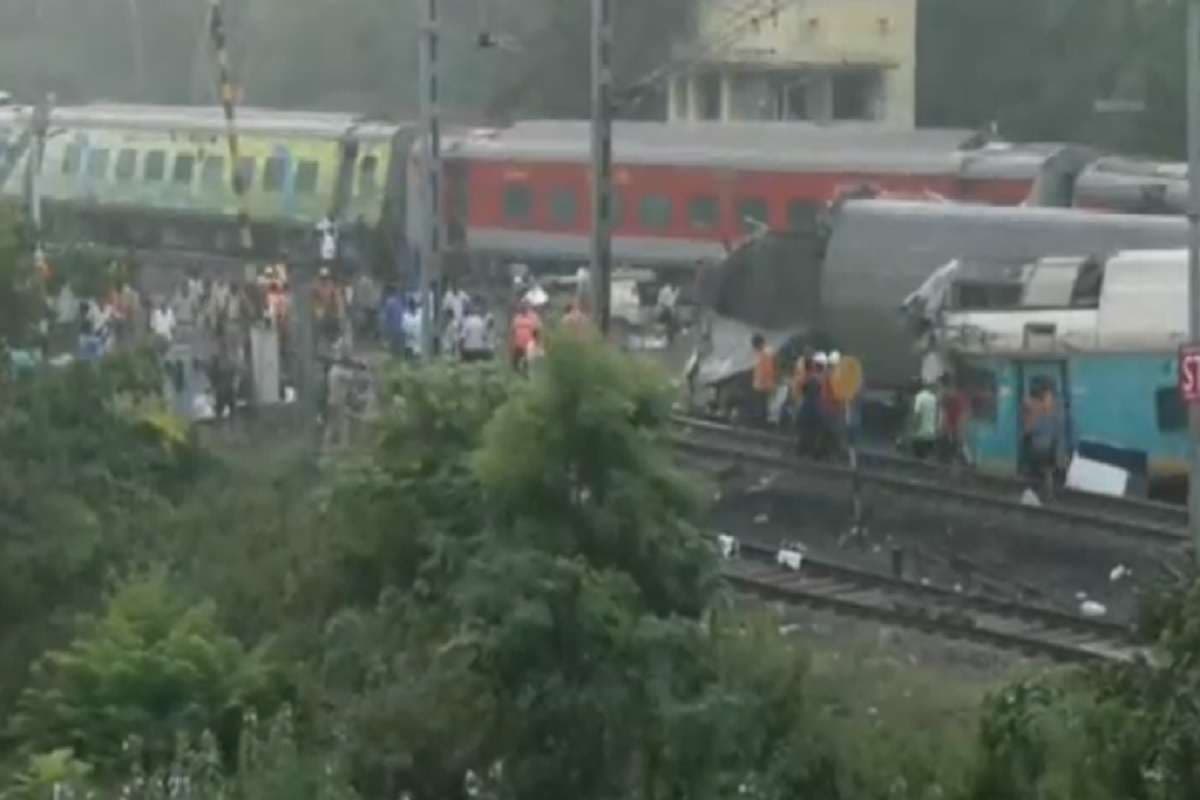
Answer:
(686, 192)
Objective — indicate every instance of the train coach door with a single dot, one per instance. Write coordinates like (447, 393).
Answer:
(1044, 389)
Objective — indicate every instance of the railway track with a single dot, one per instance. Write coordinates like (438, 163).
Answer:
(1144, 520)
(797, 579)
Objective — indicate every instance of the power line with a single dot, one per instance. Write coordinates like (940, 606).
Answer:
(217, 32)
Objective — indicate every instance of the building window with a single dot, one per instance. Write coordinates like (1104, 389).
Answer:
(246, 167)
(97, 166)
(752, 210)
(306, 177)
(680, 99)
(212, 173)
(368, 178)
(274, 173)
(126, 165)
(1169, 409)
(185, 167)
(155, 167)
(709, 87)
(853, 95)
(794, 101)
(518, 202)
(654, 212)
(564, 207)
(704, 213)
(72, 159)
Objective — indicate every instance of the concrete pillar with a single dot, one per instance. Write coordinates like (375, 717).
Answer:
(726, 96)
(693, 97)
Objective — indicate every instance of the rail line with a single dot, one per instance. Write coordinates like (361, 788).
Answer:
(1144, 520)
(798, 579)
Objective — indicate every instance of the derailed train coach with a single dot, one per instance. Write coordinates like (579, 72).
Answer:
(159, 178)
(880, 251)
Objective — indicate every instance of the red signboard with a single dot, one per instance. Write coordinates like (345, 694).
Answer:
(1189, 373)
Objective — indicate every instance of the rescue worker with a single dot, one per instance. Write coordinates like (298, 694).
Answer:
(327, 306)
(812, 421)
(953, 422)
(473, 342)
(668, 297)
(574, 319)
(763, 382)
(534, 352)
(1044, 439)
(924, 422)
(411, 325)
(339, 388)
(524, 325)
(393, 320)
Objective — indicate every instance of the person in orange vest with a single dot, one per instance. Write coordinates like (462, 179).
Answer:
(764, 380)
(523, 326)
(327, 306)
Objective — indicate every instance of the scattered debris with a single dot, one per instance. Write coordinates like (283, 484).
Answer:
(1030, 498)
(762, 519)
(1081, 596)
(729, 545)
(1090, 608)
(789, 559)
(1119, 573)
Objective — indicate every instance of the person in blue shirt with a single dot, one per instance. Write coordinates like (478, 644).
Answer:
(393, 320)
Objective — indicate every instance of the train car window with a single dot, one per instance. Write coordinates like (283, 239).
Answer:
(803, 216)
(704, 213)
(564, 207)
(306, 177)
(155, 167)
(751, 208)
(274, 173)
(246, 167)
(1170, 411)
(185, 168)
(368, 175)
(981, 390)
(212, 172)
(655, 212)
(97, 166)
(518, 202)
(72, 159)
(126, 165)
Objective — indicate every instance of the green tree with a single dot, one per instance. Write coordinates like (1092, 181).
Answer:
(150, 667)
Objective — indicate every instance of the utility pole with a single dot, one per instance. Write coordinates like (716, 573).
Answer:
(431, 239)
(1193, 107)
(37, 150)
(1193, 88)
(602, 194)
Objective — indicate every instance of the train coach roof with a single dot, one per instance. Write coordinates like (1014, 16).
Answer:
(208, 119)
(747, 145)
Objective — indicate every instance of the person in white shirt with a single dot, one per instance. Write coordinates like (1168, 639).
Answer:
(474, 342)
(668, 296)
(162, 322)
(411, 325)
(327, 230)
(456, 301)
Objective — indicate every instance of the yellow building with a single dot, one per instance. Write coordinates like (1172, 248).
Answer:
(794, 60)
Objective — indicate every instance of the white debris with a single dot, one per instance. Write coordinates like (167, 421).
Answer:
(789, 559)
(1090, 608)
(729, 545)
(1030, 498)
(1081, 596)
(717, 497)
(924, 581)
(1119, 573)
(958, 587)
(788, 630)
(762, 519)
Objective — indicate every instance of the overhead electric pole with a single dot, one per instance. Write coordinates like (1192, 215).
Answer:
(1193, 138)
(602, 194)
(431, 238)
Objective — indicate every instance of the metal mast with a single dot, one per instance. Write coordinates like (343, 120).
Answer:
(431, 239)
(602, 195)
(1193, 107)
